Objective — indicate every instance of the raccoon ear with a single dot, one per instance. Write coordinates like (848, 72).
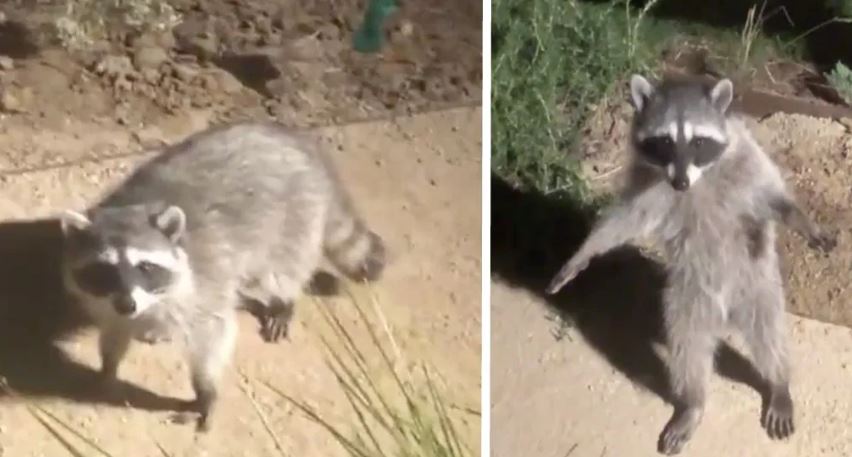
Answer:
(722, 94)
(71, 221)
(172, 222)
(640, 91)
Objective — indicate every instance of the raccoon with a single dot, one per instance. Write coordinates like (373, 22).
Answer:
(237, 213)
(700, 186)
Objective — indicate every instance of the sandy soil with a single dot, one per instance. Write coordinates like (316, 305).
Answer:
(559, 398)
(431, 220)
(289, 60)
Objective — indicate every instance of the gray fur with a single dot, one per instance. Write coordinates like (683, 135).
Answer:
(719, 239)
(239, 212)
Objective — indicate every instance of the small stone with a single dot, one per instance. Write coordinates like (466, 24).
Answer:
(149, 138)
(149, 57)
(151, 75)
(15, 101)
(185, 73)
(406, 29)
(305, 48)
(6, 63)
(165, 40)
(114, 66)
(227, 82)
(205, 46)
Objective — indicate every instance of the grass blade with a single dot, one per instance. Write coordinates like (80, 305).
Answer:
(262, 417)
(55, 433)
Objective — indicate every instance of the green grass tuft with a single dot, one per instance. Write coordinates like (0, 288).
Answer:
(841, 79)
(553, 61)
(410, 418)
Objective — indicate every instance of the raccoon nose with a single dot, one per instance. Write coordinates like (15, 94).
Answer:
(680, 183)
(124, 305)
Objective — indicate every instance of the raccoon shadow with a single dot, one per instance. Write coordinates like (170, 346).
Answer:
(615, 304)
(35, 319)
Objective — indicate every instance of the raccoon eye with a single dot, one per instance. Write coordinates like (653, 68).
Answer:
(699, 142)
(154, 277)
(99, 278)
(148, 267)
(658, 150)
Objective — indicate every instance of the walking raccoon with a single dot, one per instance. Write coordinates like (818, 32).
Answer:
(239, 212)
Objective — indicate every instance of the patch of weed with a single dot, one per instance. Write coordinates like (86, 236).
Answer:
(553, 62)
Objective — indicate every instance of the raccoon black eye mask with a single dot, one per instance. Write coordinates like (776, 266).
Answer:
(103, 278)
(662, 150)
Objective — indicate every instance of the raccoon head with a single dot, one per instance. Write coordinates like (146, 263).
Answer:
(125, 260)
(680, 128)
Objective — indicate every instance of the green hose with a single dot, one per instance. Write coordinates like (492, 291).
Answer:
(370, 37)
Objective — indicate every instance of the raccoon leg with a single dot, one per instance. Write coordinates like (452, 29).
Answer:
(113, 343)
(211, 347)
(276, 321)
(691, 327)
(689, 370)
(629, 220)
(763, 328)
(294, 262)
(270, 299)
(785, 210)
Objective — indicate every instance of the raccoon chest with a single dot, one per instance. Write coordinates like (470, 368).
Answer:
(705, 240)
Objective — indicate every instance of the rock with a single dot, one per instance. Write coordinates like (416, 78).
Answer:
(185, 72)
(204, 46)
(304, 48)
(6, 63)
(151, 75)
(114, 66)
(329, 32)
(15, 100)
(165, 40)
(150, 137)
(149, 57)
(227, 82)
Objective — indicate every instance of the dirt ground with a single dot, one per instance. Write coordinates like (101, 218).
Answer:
(72, 123)
(289, 60)
(430, 296)
(571, 397)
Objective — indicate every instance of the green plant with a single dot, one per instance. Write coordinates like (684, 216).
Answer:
(841, 79)
(409, 419)
(554, 62)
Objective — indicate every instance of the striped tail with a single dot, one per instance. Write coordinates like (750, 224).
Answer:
(355, 250)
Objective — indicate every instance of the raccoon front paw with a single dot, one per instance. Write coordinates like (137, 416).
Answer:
(778, 419)
(825, 242)
(192, 412)
(565, 275)
(154, 337)
(276, 322)
(678, 431)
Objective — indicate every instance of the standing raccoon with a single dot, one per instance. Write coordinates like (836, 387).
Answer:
(701, 187)
(240, 212)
